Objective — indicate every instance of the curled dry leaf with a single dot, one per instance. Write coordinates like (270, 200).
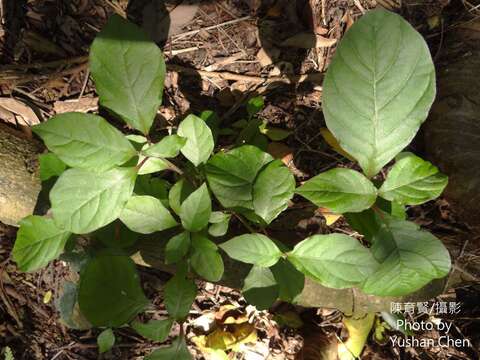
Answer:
(26, 116)
(308, 41)
(84, 105)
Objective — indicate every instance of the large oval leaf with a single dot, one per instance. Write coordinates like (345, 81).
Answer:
(335, 260)
(85, 141)
(38, 241)
(129, 71)
(231, 175)
(179, 295)
(409, 258)
(196, 209)
(109, 293)
(378, 88)
(273, 188)
(84, 201)
(340, 190)
(146, 214)
(254, 249)
(413, 181)
(199, 144)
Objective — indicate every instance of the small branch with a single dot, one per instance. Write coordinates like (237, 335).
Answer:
(173, 167)
(193, 32)
(244, 222)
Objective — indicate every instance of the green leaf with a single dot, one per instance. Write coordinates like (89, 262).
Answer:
(255, 105)
(178, 193)
(413, 181)
(155, 330)
(150, 165)
(340, 190)
(116, 235)
(409, 259)
(335, 260)
(179, 295)
(50, 166)
(205, 259)
(177, 351)
(273, 188)
(254, 249)
(83, 201)
(85, 141)
(109, 292)
(38, 241)
(168, 147)
(218, 229)
(290, 281)
(196, 209)
(378, 88)
(260, 288)
(177, 247)
(136, 139)
(129, 71)
(220, 222)
(67, 306)
(146, 214)
(153, 186)
(231, 175)
(105, 341)
(276, 134)
(199, 145)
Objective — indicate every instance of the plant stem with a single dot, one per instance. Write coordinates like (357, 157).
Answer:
(244, 222)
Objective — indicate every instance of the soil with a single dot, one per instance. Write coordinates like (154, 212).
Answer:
(43, 44)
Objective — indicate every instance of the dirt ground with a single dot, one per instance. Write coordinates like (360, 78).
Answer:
(219, 53)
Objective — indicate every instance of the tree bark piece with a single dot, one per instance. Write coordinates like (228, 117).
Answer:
(19, 175)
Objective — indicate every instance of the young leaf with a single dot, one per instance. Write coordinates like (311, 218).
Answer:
(38, 241)
(254, 249)
(231, 175)
(195, 210)
(150, 165)
(413, 181)
(340, 190)
(85, 141)
(205, 259)
(409, 259)
(260, 288)
(146, 214)
(178, 193)
(335, 260)
(155, 330)
(83, 201)
(179, 295)
(105, 341)
(129, 71)
(177, 247)
(220, 222)
(255, 105)
(177, 351)
(199, 145)
(273, 188)
(168, 147)
(50, 165)
(109, 292)
(136, 139)
(290, 281)
(378, 88)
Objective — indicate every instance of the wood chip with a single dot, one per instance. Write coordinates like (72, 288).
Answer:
(85, 104)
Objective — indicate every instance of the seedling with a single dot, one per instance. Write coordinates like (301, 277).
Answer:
(377, 92)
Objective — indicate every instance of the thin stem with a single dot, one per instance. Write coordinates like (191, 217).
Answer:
(173, 167)
(244, 222)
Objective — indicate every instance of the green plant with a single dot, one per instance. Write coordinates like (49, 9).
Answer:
(377, 92)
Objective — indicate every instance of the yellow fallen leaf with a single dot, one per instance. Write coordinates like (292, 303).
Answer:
(358, 331)
(330, 218)
(332, 141)
(47, 297)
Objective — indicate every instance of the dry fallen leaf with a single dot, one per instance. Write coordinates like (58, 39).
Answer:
(330, 218)
(280, 151)
(26, 116)
(308, 41)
